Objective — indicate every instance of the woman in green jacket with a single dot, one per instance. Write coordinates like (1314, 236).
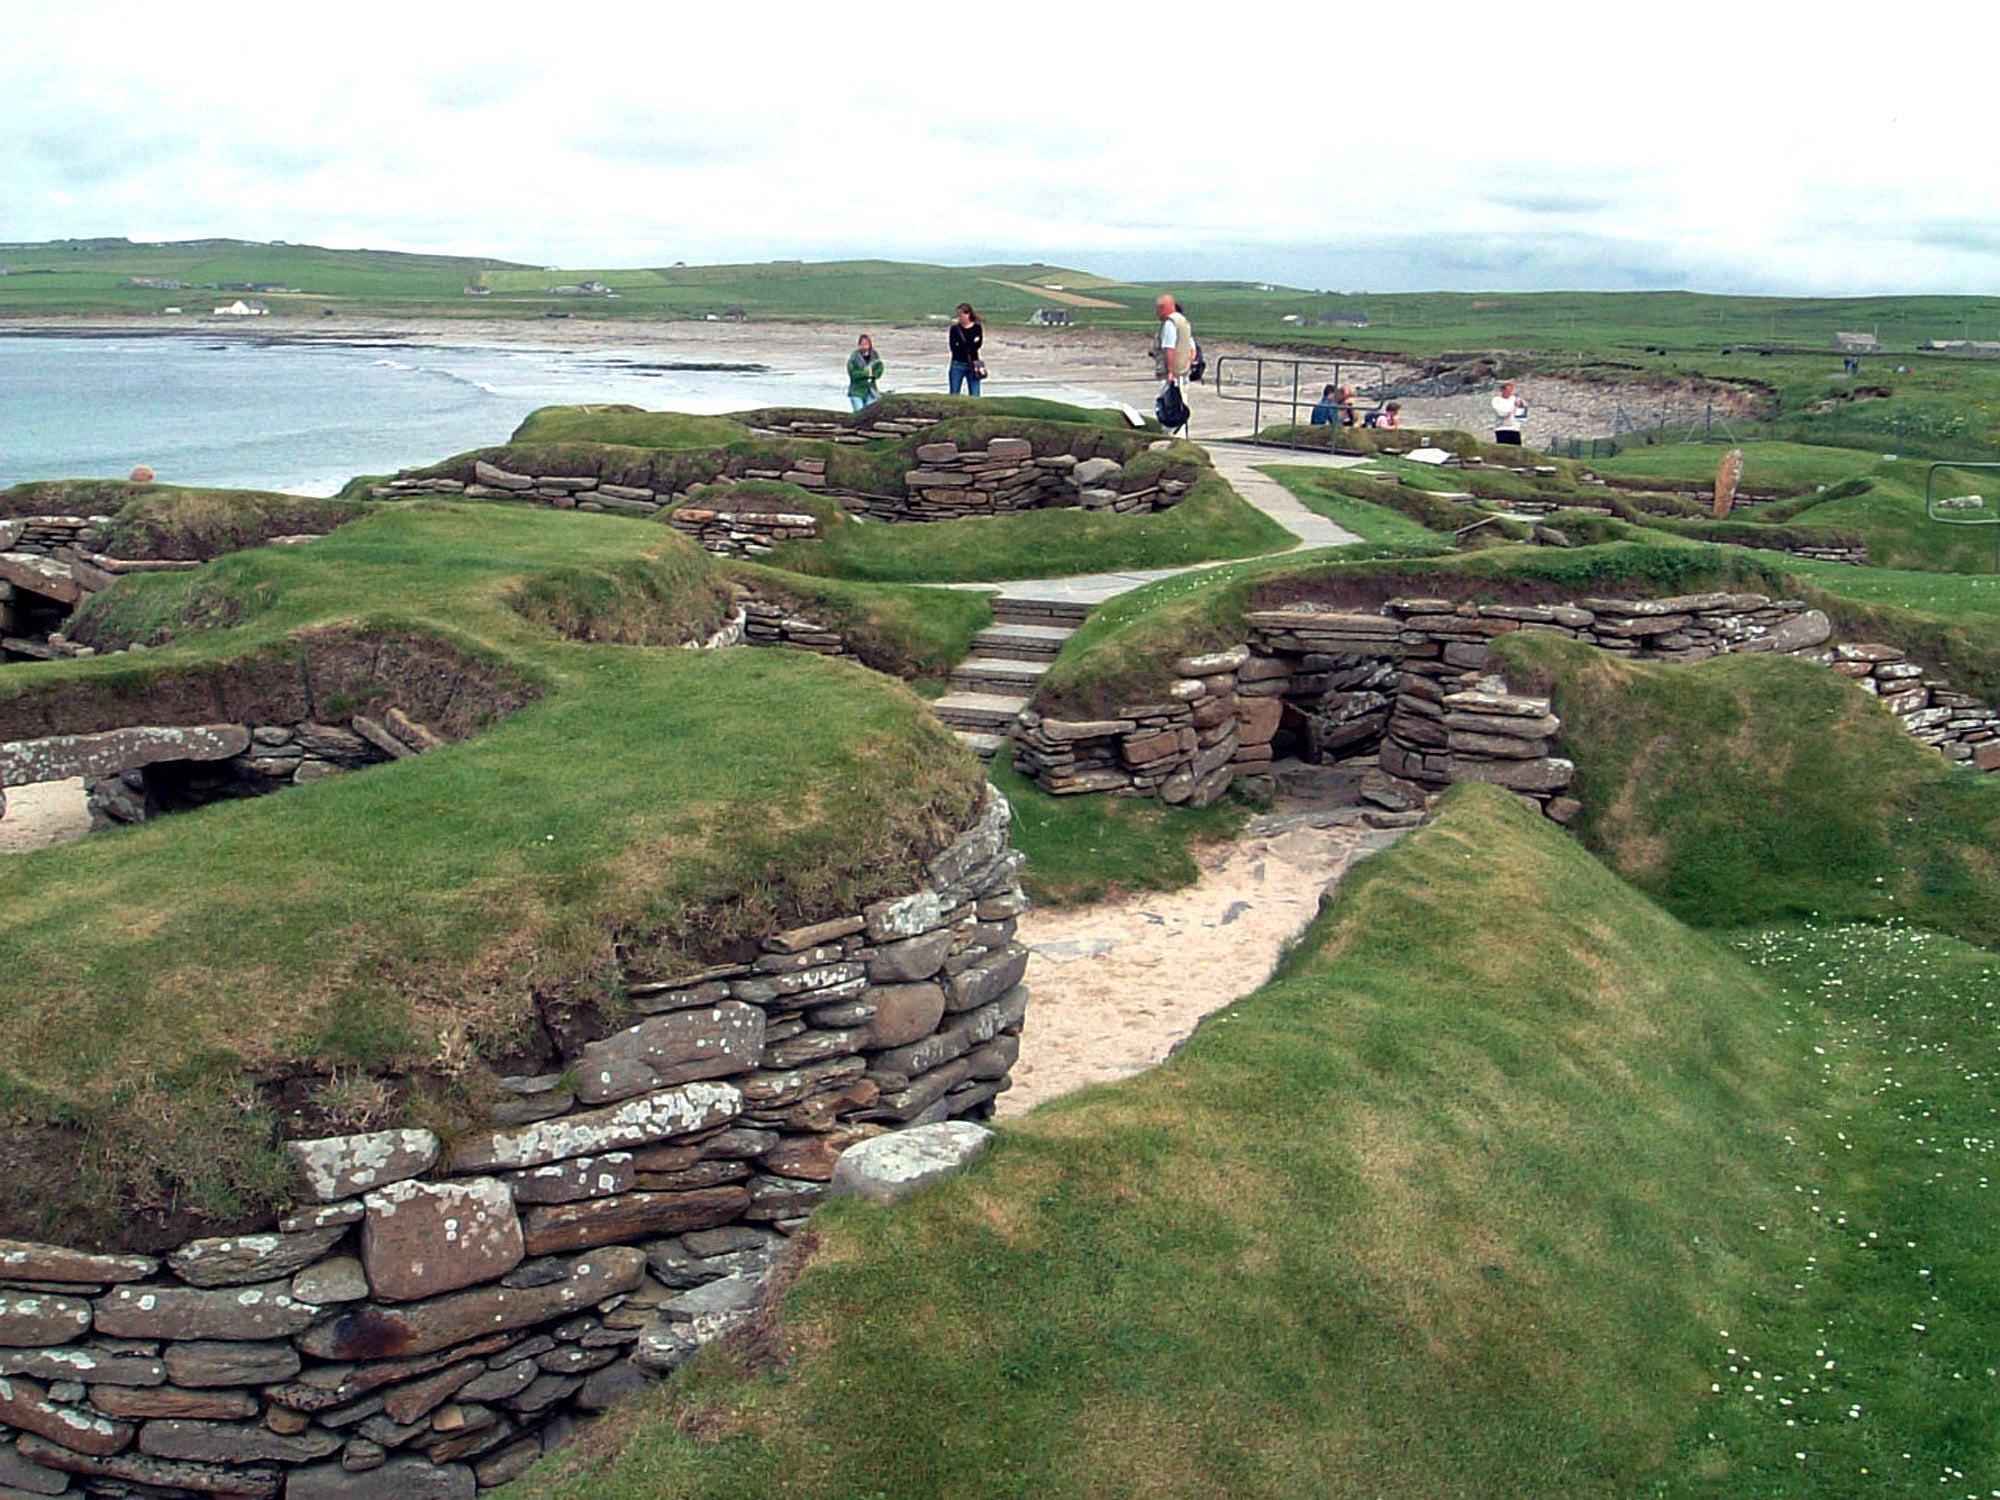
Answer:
(864, 368)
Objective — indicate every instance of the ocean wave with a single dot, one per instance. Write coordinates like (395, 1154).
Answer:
(453, 375)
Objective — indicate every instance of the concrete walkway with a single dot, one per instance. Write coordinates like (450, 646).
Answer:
(1235, 462)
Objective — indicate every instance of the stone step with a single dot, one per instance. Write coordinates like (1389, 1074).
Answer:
(1024, 611)
(1001, 675)
(1022, 642)
(981, 744)
(992, 713)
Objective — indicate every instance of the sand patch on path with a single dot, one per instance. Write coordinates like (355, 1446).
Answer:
(1116, 985)
(45, 813)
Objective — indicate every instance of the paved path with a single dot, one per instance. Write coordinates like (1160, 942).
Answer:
(1236, 463)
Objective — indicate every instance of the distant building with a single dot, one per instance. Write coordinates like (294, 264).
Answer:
(157, 283)
(1293, 319)
(1341, 320)
(582, 289)
(734, 315)
(242, 309)
(1053, 317)
(1962, 346)
(1857, 343)
(474, 289)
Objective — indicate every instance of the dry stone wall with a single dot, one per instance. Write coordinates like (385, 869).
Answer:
(766, 623)
(428, 1320)
(732, 531)
(949, 484)
(1414, 684)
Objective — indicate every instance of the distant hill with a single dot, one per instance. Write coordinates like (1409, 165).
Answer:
(1616, 333)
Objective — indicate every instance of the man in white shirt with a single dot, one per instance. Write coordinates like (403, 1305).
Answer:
(1508, 409)
(1173, 350)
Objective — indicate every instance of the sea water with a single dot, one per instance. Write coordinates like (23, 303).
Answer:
(305, 418)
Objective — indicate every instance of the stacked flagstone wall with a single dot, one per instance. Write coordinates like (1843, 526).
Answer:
(426, 1321)
(1414, 685)
(949, 483)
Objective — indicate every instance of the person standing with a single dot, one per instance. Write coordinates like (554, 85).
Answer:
(1173, 354)
(864, 369)
(1508, 409)
(967, 369)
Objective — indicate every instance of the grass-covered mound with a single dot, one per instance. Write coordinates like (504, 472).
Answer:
(1750, 789)
(1386, 510)
(1211, 521)
(1124, 652)
(177, 523)
(669, 451)
(906, 632)
(1455, 1205)
(175, 985)
(933, 407)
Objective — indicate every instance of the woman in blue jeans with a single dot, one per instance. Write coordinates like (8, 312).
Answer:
(966, 337)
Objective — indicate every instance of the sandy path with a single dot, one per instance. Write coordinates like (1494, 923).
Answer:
(1115, 986)
(48, 812)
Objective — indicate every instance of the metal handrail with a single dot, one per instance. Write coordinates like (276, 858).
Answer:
(1933, 505)
(1283, 388)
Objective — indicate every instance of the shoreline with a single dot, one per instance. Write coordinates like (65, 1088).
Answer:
(1118, 364)
(1022, 358)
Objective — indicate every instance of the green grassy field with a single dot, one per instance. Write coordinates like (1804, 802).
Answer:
(1609, 329)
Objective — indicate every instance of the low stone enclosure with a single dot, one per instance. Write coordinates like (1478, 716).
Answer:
(48, 564)
(427, 1322)
(1414, 686)
(728, 514)
(258, 726)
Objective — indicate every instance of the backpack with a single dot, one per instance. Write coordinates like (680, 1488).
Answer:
(1200, 365)
(1172, 409)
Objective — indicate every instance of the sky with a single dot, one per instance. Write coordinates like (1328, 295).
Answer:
(1443, 146)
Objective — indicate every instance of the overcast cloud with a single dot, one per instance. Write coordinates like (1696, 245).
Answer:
(1347, 147)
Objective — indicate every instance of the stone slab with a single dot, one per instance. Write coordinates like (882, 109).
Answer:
(57, 757)
(888, 1168)
(636, 1122)
(422, 1239)
(423, 1327)
(679, 1046)
(37, 1319)
(26, 1260)
(235, 1260)
(243, 1313)
(344, 1166)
